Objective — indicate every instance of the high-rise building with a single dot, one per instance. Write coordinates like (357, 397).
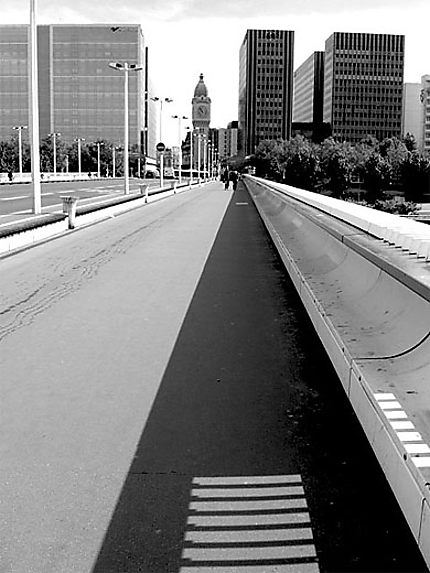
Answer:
(79, 94)
(363, 85)
(265, 87)
(308, 93)
(424, 142)
(227, 141)
(411, 111)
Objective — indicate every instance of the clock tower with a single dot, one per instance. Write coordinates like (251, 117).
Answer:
(201, 107)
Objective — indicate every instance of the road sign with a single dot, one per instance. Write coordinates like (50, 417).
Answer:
(161, 147)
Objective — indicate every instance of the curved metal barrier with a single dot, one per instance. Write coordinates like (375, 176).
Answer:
(366, 286)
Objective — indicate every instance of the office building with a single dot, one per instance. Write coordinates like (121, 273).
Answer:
(424, 141)
(363, 85)
(412, 111)
(79, 94)
(13, 79)
(308, 92)
(265, 87)
(228, 141)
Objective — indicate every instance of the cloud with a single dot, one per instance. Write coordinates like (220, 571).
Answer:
(201, 9)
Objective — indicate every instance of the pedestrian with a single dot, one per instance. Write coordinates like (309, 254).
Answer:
(10, 175)
(233, 177)
(225, 178)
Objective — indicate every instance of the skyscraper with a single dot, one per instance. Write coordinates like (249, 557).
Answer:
(79, 95)
(265, 87)
(363, 85)
(309, 90)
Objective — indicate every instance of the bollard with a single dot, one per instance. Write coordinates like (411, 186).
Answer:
(69, 207)
(175, 184)
(144, 188)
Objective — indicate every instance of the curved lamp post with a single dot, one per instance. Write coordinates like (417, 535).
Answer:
(19, 128)
(125, 68)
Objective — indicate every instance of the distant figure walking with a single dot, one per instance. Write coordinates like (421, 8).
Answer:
(225, 178)
(233, 177)
(10, 175)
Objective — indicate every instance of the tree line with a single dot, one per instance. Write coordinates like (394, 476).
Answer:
(66, 156)
(336, 167)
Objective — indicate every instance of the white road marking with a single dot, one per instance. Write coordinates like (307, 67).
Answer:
(256, 528)
(419, 451)
(17, 198)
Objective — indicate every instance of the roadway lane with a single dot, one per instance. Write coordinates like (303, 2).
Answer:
(16, 199)
(167, 407)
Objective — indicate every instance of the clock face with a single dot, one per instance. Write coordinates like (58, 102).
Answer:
(202, 110)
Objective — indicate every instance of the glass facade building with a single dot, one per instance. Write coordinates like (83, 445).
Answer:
(265, 87)
(13, 78)
(363, 85)
(308, 90)
(79, 95)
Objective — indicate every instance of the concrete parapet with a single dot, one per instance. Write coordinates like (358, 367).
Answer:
(364, 279)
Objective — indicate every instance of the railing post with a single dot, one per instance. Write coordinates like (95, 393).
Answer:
(69, 207)
(144, 188)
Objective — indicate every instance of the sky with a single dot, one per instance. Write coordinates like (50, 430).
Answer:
(189, 37)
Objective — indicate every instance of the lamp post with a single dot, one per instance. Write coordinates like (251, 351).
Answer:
(79, 139)
(126, 68)
(98, 143)
(114, 148)
(199, 135)
(54, 147)
(161, 100)
(34, 112)
(180, 118)
(209, 160)
(19, 128)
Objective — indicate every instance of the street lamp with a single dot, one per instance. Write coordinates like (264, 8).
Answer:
(54, 146)
(180, 118)
(126, 68)
(79, 139)
(161, 100)
(98, 143)
(114, 149)
(34, 112)
(19, 128)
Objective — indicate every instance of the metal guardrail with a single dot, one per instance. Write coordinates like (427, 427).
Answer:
(409, 235)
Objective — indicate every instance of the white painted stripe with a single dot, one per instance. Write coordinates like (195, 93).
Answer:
(278, 504)
(390, 405)
(384, 396)
(253, 536)
(249, 492)
(421, 461)
(291, 568)
(248, 520)
(15, 198)
(248, 553)
(402, 425)
(409, 436)
(242, 203)
(246, 480)
(395, 414)
(417, 448)
(48, 193)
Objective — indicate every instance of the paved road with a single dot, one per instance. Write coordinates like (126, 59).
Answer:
(167, 407)
(16, 200)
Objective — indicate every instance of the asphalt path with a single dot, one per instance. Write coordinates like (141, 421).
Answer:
(16, 200)
(168, 407)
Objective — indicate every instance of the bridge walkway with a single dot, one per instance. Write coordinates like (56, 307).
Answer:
(241, 455)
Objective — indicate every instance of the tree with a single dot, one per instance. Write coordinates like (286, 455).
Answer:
(415, 176)
(299, 163)
(410, 142)
(336, 161)
(266, 160)
(376, 172)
